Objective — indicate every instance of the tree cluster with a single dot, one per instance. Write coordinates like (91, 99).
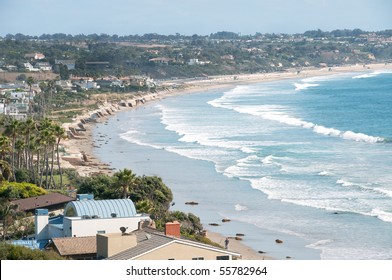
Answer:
(30, 149)
(149, 194)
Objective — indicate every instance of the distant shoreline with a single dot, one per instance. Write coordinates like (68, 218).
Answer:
(79, 152)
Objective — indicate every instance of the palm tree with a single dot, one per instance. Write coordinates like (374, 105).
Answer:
(126, 179)
(5, 146)
(48, 141)
(30, 81)
(12, 129)
(28, 129)
(5, 171)
(19, 148)
(59, 133)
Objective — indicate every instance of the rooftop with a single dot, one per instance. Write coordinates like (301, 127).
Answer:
(101, 208)
(42, 201)
(149, 239)
(68, 246)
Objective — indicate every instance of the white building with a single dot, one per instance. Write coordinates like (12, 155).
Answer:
(30, 67)
(88, 217)
(193, 61)
(43, 66)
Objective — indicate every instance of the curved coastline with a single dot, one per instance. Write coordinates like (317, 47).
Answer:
(79, 150)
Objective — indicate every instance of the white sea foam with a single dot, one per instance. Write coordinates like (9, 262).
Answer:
(367, 75)
(268, 159)
(240, 207)
(382, 215)
(320, 244)
(325, 173)
(248, 150)
(132, 137)
(277, 113)
(345, 183)
(304, 86)
(384, 191)
(360, 137)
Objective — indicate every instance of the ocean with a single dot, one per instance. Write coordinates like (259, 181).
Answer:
(307, 161)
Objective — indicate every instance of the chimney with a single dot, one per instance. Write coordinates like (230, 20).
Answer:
(41, 224)
(114, 243)
(173, 229)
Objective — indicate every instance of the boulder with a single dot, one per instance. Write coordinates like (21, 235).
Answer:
(191, 203)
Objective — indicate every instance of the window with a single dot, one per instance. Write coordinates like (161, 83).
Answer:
(70, 212)
(101, 232)
(223, 258)
(198, 258)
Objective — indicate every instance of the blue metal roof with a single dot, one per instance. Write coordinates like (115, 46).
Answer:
(102, 208)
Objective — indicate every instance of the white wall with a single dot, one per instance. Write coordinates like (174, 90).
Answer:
(90, 227)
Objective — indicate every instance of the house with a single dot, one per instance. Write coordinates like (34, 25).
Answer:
(87, 217)
(69, 63)
(161, 60)
(141, 81)
(36, 56)
(14, 113)
(150, 244)
(51, 201)
(43, 66)
(10, 67)
(87, 84)
(30, 67)
(193, 61)
(64, 84)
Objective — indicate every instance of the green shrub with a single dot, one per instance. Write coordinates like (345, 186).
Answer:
(13, 252)
(13, 190)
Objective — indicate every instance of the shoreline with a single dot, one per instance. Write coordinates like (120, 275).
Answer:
(79, 151)
(79, 147)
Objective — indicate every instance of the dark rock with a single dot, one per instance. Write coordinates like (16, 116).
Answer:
(191, 203)
(278, 241)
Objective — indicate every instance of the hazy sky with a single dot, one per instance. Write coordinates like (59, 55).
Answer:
(125, 17)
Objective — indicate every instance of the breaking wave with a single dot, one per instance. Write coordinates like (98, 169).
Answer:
(276, 113)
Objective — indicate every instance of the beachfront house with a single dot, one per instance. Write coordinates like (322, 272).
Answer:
(147, 243)
(87, 84)
(87, 217)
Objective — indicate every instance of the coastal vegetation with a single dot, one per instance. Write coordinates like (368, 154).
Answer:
(179, 56)
(29, 151)
(13, 252)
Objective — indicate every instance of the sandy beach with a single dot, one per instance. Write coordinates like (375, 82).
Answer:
(80, 144)
(79, 148)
